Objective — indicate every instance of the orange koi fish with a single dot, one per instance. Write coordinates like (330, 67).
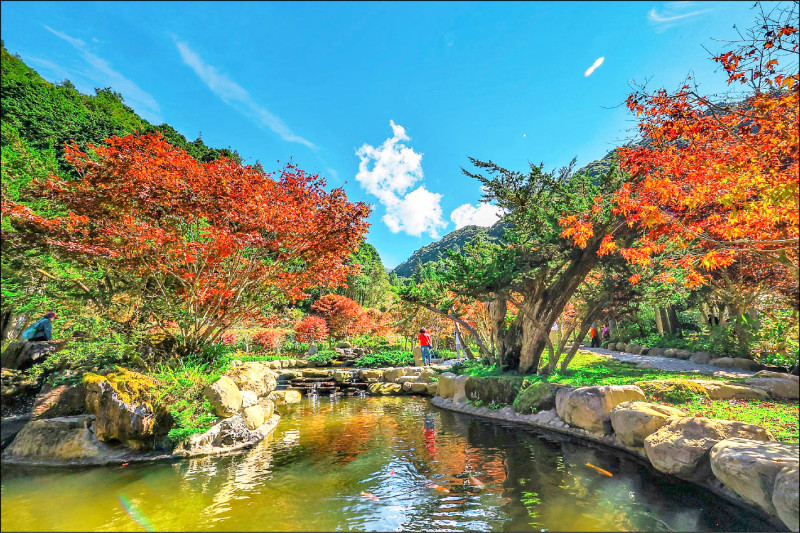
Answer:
(370, 496)
(600, 470)
(438, 487)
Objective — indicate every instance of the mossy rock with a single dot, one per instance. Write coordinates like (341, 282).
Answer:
(673, 390)
(538, 397)
(498, 390)
(132, 387)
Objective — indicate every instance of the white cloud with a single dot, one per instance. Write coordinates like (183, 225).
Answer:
(103, 74)
(672, 13)
(595, 66)
(419, 212)
(235, 95)
(388, 172)
(484, 215)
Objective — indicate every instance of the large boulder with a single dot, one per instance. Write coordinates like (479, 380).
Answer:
(785, 496)
(342, 376)
(123, 410)
(683, 354)
(224, 397)
(784, 386)
(634, 421)
(229, 434)
(406, 379)
(61, 440)
(432, 388)
(724, 362)
(745, 364)
(498, 390)
(248, 398)
(21, 355)
(460, 389)
(254, 416)
(537, 397)
(253, 376)
(284, 397)
(721, 390)
(701, 358)
(749, 467)
(656, 351)
(370, 375)
(589, 408)
(446, 385)
(390, 375)
(681, 447)
(62, 400)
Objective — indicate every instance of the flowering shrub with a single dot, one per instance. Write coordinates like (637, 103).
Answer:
(311, 329)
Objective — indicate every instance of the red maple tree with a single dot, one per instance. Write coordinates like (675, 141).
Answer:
(206, 244)
(311, 329)
(343, 316)
(713, 183)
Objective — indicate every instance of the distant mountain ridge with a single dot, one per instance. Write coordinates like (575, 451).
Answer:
(458, 238)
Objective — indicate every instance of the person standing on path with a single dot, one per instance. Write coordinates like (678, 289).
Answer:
(606, 332)
(593, 335)
(425, 347)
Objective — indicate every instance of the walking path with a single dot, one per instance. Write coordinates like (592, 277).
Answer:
(674, 365)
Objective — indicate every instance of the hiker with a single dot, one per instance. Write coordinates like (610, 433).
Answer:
(595, 339)
(41, 330)
(425, 347)
(457, 334)
(606, 332)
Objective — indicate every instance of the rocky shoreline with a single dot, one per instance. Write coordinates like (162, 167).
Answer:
(739, 462)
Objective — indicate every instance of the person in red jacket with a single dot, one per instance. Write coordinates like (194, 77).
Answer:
(425, 347)
(595, 339)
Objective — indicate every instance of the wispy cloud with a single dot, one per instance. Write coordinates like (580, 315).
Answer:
(235, 95)
(595, 66)
(104, 75)
(485, 214)
(395, 169)
(673, 13)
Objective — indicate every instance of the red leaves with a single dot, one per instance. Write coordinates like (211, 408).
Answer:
(227, 233)
(343, 316)
(311, 329)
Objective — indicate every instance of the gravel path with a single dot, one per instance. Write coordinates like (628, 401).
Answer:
(674, 365)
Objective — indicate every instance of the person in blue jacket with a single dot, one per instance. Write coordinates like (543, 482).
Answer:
(43, 328)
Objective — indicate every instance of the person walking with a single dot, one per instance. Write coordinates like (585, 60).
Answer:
(606, 332)
(41, 330)
(425, 346)
(593, 335)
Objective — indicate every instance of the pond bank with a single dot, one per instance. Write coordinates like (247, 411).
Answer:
(739, 462)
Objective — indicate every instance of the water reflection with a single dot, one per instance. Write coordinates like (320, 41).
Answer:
(371, 464)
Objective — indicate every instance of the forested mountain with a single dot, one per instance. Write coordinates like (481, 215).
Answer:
(455, 240)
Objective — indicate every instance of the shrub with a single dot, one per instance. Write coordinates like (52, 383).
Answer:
(229, 338)
(323, 357)
(385, 358)
(269, 339)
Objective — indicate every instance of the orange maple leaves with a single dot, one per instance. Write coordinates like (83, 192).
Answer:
(713, 183)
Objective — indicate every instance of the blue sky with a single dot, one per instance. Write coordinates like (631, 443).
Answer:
(385, 99)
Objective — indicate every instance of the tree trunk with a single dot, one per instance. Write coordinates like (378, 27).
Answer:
(659, 321)
(674, 323)
(497, 316)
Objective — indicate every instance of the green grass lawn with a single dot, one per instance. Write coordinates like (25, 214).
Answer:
(779, 417)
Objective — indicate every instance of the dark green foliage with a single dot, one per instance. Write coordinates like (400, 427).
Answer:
(383, 359)
(370, 288)
(321, 358)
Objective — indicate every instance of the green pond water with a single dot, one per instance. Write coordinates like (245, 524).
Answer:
(374, 464)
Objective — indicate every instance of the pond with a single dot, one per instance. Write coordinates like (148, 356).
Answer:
(385, 464)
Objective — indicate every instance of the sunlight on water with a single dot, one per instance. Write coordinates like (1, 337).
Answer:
(386, 464)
